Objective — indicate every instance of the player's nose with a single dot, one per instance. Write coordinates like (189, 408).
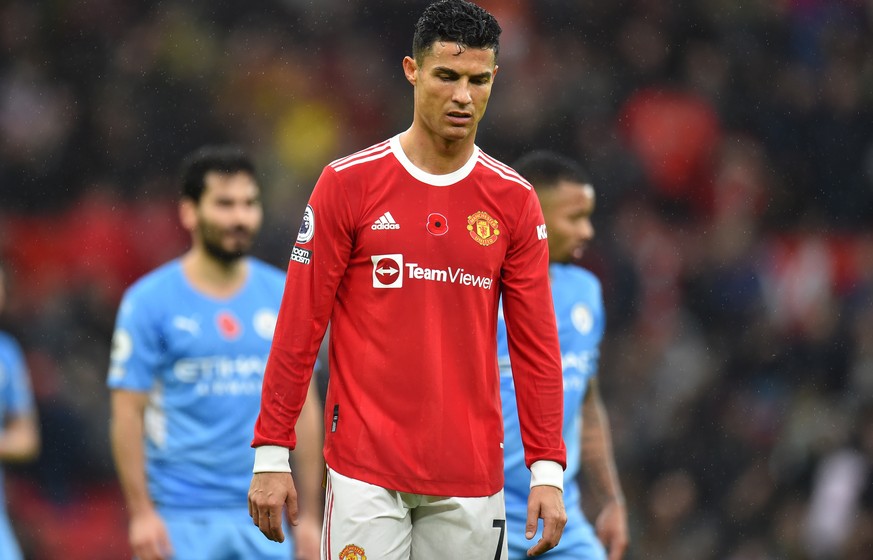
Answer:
(245, 214)
(461, 94)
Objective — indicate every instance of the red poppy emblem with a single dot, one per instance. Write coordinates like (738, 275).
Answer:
(436, 224)
(228, 325)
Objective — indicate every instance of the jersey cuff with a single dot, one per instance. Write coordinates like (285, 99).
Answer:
(272, 458)
(547, 473)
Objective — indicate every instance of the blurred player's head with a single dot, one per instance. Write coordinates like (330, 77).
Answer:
(453, 63)
(221, 204)
(567, 198)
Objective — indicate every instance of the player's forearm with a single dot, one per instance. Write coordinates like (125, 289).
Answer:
(286, 385)
(308, 462)
(126, 437)
(127, 451)
(597, 452)
(536, 373)
(19, 441)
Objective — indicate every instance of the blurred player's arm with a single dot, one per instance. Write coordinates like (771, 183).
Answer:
(19, 439)
(148, 534)
(599, 464)
(308, 464)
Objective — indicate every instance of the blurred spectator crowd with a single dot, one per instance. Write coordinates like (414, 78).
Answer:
(732, 149)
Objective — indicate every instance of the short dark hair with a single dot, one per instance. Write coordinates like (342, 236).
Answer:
(455, 21)
(228, 159)
(544, 169)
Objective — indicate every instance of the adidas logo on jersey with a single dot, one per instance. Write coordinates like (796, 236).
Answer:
(385, 221)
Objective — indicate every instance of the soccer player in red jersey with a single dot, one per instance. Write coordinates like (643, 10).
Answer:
(406, 248)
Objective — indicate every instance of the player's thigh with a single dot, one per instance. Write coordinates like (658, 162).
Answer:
(362, 519)
(470, 528)
(221, 535)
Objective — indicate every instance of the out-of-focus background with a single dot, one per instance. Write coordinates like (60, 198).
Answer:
(731, 145)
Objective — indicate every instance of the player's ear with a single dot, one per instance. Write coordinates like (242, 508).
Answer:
(409, 68)
(188, 213)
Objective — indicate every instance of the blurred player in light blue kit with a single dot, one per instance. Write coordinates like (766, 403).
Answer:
(567, 200)
(19, 432)
(188, 356)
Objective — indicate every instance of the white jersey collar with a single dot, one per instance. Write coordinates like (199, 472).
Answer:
(430, 178)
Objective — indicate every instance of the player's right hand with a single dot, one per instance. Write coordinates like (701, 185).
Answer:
(148, 537)
(268, 494)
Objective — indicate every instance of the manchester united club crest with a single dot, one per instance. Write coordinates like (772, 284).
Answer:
(482, 228)
(352, 552)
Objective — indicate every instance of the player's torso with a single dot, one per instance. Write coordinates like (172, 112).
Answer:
(215, 351)
(580, 322)
(579, 316)
(415, 317)
(426, 239)
(200, 358)
(423, 276)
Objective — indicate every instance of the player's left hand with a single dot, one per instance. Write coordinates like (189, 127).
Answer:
(546, 503)
(611, 529)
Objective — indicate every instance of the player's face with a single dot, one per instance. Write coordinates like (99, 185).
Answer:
(228, 216)
(567, 209)
(452, 87)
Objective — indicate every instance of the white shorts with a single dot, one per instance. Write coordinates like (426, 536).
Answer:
(363, 520)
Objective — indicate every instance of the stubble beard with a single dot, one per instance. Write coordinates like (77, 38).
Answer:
(211, 240)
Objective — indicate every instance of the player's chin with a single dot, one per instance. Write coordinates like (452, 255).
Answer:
(239, 250)
(456, 133)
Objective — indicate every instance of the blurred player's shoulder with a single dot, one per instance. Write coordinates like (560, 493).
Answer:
(576, 277)
(8, 343)
(155, 293)
(265, 273)
(155, 281)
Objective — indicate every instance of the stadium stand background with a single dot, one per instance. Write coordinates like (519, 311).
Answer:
(732, 149)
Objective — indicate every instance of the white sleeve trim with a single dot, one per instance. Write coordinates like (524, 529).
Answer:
(547, 473)
(272, 458)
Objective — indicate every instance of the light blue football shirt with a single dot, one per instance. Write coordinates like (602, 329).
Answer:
(16, 399)
(201, 360)
(578, 302)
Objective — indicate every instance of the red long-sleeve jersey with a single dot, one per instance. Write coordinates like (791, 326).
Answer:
(408, 267)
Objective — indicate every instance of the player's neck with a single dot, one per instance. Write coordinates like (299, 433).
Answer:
(434, 154)
(213, 277)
